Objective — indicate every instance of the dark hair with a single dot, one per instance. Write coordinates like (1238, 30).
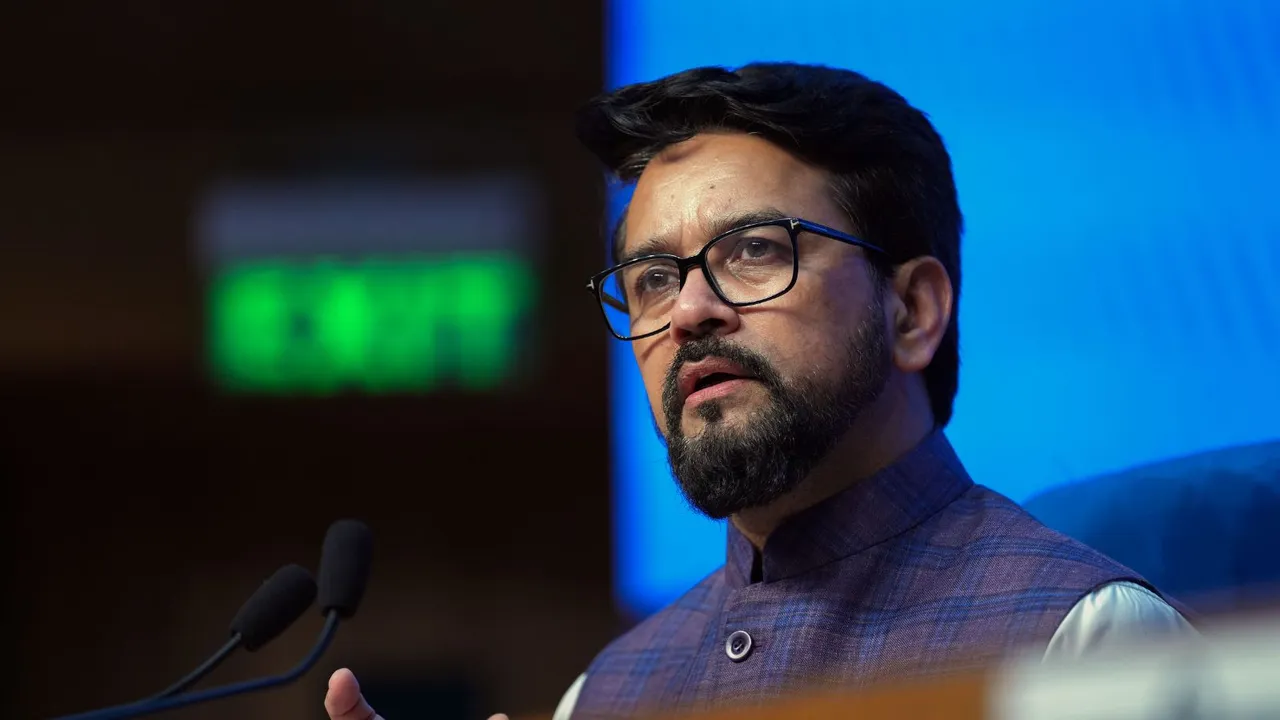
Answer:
(890, 170)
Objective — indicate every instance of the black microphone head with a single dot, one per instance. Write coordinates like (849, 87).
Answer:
(344, 566)
(277, 604)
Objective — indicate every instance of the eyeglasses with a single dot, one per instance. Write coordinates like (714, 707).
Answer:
(745, 266)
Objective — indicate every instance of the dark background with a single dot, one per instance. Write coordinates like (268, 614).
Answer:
(143, 505)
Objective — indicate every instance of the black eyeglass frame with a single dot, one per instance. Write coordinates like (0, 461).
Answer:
(794, 227)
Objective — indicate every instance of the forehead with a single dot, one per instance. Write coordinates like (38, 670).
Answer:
(687, 189)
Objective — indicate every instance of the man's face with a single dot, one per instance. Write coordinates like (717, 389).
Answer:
(750, 398)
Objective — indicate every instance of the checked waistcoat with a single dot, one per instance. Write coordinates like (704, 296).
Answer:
(915, 570)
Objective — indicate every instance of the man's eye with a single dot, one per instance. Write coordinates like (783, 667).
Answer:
(756, 249)
(654, 280)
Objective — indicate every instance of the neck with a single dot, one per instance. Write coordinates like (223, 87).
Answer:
(884, 432)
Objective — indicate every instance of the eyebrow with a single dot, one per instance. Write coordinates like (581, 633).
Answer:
(667, 245)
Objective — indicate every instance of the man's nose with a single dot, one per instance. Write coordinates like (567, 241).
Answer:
(699, 310)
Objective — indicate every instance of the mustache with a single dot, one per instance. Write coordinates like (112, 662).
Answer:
(752, 362)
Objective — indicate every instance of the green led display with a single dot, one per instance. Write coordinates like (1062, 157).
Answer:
(397, 324)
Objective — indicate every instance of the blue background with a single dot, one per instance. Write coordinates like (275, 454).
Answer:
(1116, 165)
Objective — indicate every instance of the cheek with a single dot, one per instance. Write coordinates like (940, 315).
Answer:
(809, 333)
(839, 291)
(806, 355)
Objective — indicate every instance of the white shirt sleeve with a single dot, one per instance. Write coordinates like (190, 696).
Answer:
(1115, 614)
(569, 700)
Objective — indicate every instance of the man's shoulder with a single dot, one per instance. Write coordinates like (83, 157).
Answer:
(990, 528)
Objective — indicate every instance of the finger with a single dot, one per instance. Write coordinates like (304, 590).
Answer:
(344, 701)
(499, 716)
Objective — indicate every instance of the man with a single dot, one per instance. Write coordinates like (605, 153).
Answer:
(788, 273)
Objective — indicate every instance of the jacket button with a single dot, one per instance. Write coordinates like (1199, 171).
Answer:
(738, 646)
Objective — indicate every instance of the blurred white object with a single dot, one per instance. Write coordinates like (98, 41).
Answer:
(1231, 671)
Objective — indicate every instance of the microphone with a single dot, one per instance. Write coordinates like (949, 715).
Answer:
(277, 604)
(345, 562)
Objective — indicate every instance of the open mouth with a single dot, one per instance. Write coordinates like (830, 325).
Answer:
(713, 386)
(709, 378)
(714, 379)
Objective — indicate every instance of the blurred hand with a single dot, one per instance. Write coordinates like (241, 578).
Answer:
(343, 701)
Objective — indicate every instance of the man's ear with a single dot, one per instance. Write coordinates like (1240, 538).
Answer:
(921, 308)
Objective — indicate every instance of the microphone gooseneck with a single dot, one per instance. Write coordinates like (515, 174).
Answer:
(200, 672)
(149, 707)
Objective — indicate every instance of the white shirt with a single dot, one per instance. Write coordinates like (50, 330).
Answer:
(1115, 614)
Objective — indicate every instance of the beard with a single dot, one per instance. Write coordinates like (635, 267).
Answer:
(724, 469)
